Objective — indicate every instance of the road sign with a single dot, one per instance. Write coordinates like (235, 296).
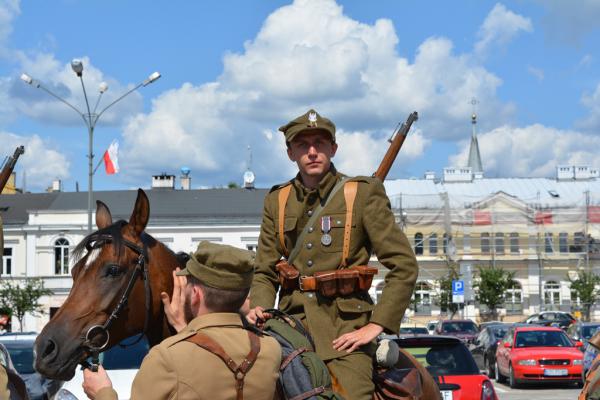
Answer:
(458, 291)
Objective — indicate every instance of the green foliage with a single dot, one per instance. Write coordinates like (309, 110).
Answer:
(22, 298)
(584, 287)
(444, 298)
(491, 285)
(233, 185)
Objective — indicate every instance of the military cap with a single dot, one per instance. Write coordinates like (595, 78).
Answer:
(309, 122)
(221, 266)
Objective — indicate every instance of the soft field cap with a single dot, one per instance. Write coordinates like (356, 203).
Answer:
(309, 122)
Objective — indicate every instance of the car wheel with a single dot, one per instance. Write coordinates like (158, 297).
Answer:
(512, 382)
(497, 375)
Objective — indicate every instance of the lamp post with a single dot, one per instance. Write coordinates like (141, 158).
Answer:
(90, 118)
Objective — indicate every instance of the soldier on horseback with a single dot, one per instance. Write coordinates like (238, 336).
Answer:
(316, 239)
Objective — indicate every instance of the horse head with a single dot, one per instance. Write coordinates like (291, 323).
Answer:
(117, 280)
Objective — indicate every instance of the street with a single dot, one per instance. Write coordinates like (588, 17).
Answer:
(537, 391)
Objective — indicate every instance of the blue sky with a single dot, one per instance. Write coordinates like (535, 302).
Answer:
(234, 71)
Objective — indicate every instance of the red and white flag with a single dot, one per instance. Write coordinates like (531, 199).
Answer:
(111, 158)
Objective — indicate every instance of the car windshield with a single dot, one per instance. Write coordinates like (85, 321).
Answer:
(444, 358)
(498, 331)
(589, 330)
(21, 354)
(128, 357)
(459, 326)
(414, 330)
(542, 339)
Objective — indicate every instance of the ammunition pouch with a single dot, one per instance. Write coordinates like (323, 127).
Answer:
(288, 275)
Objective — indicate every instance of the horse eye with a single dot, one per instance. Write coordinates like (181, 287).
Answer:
(113, 270)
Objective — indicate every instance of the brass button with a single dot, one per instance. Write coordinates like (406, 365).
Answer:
(311, 229)
(309, 212)
(309, 263)
(309, 295)
(309, 246)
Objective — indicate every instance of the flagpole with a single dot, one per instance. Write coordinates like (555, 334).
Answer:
(98, 165)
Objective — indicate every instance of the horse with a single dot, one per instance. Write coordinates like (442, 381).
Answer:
(117, 283)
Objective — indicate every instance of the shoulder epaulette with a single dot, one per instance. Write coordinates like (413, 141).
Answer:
(279, 186)
(168, 342)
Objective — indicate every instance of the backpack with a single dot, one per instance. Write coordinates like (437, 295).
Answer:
(303, 375)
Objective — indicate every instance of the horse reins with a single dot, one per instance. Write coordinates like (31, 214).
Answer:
(140, 270)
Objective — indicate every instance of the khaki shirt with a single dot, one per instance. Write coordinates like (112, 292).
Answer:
(373, 229)
(177, 369)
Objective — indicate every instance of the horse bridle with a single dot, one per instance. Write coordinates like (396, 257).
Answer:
(140, 270)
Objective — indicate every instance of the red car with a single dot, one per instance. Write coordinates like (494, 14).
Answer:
(451, 364)
(538, 353)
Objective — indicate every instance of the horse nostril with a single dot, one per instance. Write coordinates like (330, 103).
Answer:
(50, 351)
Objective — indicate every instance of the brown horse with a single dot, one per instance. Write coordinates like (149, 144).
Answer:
(116, 286)
(116, 293)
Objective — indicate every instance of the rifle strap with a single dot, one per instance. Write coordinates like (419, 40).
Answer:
(350, 189)
(239, 371)
(283, 196)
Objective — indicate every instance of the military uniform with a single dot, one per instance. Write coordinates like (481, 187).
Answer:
(4, 393)
(180, 369)
(373, 229)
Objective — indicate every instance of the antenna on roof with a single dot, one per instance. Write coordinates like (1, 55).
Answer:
(249, 175)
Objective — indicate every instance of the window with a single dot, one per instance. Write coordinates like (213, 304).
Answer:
(499, 243)
(252, 247)
(7, 261)
(548, 243)
(418, 243)
(61, 256)
(445, 243)
(563, 245)
(578, 243)
(514, 243)
(433, 243)
(485, 243)
(422, 298)
(552, 294)
(513, 298)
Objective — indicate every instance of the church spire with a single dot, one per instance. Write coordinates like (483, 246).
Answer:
(474, 155)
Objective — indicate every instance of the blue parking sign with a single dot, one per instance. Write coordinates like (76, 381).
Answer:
(458, 288)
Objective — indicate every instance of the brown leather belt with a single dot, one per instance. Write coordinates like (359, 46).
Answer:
(307, 283)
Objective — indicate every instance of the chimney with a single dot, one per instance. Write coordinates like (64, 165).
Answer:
(163, 182)
(186, 179)
(56, 186)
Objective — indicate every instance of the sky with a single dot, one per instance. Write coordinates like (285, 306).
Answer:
(234, 71)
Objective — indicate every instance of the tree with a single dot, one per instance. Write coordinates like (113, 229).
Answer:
(22, 299)
(444, 298)
(492, 285)
(584, 288)
(233, 185)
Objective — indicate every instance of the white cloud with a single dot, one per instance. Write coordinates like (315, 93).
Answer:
(9, 9)
(500, 27)
(592, 102)
(531, 151)
(537, 73)
(40, 162)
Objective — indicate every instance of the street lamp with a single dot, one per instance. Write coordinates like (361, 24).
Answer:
(90, 118)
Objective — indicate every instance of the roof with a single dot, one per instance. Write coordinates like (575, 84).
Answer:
(532, 327)
(205, 205)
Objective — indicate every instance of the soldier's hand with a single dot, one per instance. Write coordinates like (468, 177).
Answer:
(353, 340)
(174, 307)
(257, 316)
(94, 381)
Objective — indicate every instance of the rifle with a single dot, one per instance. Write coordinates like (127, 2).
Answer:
(9, 166)
(396, 142)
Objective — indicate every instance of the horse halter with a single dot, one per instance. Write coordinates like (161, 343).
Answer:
(140, 270)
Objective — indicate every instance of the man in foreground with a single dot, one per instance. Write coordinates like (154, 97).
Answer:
(338, 232)
(189, 365)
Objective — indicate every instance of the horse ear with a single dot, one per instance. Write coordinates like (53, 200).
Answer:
(103, 216)
(141, 213)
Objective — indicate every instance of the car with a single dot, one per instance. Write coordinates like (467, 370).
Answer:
(538, 354)
(122, 364)
(484, 346)
(413, 330)
(431, 326)
(449, 362)
(464, 329)
(20, 348)
(583, 331)
(560, 319)
(589, 355)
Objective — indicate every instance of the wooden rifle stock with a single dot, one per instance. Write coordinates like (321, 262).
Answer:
(10, 165)
(395, 146)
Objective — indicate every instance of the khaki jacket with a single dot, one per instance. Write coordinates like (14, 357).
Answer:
(4, 393)
(373, 229)
(176, 369)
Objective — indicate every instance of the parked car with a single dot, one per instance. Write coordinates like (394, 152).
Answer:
(20, 349)
(551, 318)
(451, 365)
(464, 329)
(431, 326)
(583, 331)
(537, 354)
(484, 346)
(413, 330)
(122, 364)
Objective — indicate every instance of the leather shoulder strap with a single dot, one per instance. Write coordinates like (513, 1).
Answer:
(239, 371)
(283, 195)
(350, 189)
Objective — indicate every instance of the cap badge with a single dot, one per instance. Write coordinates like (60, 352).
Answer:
(312, 119)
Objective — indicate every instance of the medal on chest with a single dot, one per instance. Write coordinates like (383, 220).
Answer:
(325, 228)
